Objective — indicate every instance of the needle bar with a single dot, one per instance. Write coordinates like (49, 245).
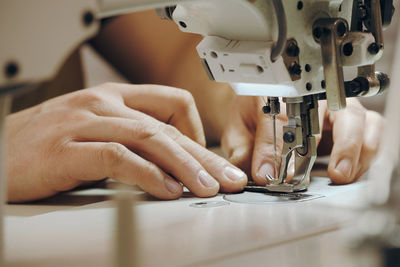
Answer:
(275, 149)
(272, 108)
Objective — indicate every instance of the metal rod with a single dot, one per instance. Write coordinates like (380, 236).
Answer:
(282, 30)
(376, 22)
(275, 149)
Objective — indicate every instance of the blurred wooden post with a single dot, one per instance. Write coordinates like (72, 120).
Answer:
(126, 241)
(5, 105)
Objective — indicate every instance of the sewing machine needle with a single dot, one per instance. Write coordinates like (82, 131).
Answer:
(275, 150)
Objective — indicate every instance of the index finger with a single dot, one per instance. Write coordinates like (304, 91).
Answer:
(167, 104)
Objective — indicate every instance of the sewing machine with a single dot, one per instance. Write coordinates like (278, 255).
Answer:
(290, 49)
(293, 51)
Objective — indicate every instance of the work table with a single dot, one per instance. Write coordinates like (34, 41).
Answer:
(78, 229)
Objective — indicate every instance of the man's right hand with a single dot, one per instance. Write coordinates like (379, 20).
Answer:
(145, 135)
(248, 139)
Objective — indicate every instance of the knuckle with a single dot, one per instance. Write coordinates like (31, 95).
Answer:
(356, 106)
(109, 85)
(147, 169)
(87, 98)
(370, 150)
(241, 157)
(172, 132)
(145, 175)
(112, 155)
(144, 130)
(377, 123)
(187, 163)
(351, 144)
(184, 99)
(74, 117)
(264, 150)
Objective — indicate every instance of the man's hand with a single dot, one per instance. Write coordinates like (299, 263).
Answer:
(146, 135)
(248, 139)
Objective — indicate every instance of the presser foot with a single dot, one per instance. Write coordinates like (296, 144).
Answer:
(281, 188)
(298, 183)
(303, 166)
(301, 179)
(299, 141)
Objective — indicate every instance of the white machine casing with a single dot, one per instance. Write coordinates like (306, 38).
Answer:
(39, 36)
(237, 47)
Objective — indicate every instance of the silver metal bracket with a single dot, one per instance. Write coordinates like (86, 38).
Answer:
(330, 33)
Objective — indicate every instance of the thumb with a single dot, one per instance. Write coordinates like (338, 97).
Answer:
(263, 155)
(237, 144)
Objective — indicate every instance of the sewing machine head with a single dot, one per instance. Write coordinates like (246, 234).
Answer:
(290, 49)
(293, 50)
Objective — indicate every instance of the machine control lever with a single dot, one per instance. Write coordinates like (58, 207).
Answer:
(330, 34)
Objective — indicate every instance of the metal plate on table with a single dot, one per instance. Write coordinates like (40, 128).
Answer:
(270, 198)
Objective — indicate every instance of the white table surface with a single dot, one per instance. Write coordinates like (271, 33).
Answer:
(77, 229)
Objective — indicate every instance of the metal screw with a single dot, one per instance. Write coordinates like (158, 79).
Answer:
(300, 5)
(373, 48)
(295, 69)
(362, 11)
(384, 81)
(292, 50)
(11, 69)
(183, 24)
(341, 29)
(266, 109)
(355, 87)
(88, 18)
(214, 54)
(348, 49)
(323, 84)
(317, 32)
(289, 137)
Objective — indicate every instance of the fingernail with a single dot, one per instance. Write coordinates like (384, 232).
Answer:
(265, 170)
(344, 167)
(172, 186)
(206, 180)
(234, 174)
